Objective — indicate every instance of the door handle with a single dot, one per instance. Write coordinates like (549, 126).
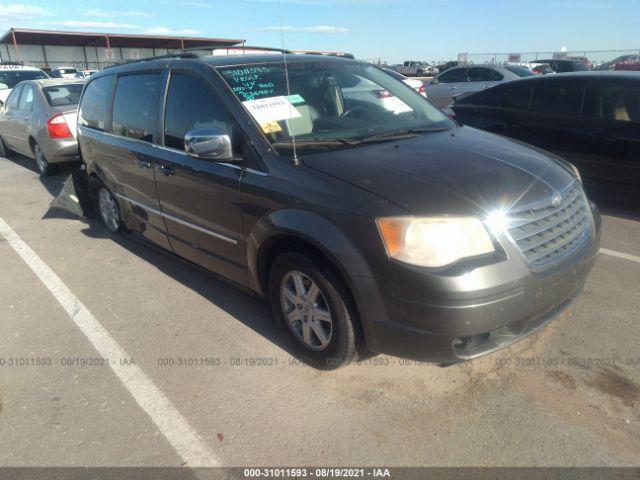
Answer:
(143, 163)
(453, 88)
(167, 170)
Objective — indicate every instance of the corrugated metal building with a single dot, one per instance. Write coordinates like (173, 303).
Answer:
(82, 50)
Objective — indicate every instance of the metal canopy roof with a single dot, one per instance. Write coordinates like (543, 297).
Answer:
(114, 40)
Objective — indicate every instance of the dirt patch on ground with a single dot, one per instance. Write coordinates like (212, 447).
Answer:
(611, 382)
(563, 378)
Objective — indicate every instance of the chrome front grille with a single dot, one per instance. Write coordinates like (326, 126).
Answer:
(544, 235)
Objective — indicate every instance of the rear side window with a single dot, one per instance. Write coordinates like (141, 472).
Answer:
(480, 74)
(510, 95)
(561, 98)
(453, 75)
(134, 106)
(62, 95)
(93, 109)
(191, 105)
(12, 101)
(619, 101)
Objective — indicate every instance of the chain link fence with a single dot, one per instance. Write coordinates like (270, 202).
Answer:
(593, 58)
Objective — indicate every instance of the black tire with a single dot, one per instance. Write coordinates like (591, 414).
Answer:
(332, 298)
(44, 168)
(4, 150)
(109, 210)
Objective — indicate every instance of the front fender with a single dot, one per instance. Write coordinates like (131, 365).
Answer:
(312, 228)
(333, 243)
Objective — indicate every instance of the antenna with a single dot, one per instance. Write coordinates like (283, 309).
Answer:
(286, 76)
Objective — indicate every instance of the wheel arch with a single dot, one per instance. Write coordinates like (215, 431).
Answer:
(292, 230)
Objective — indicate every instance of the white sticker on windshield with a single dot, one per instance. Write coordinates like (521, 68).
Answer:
(397, 106)
(271, 109)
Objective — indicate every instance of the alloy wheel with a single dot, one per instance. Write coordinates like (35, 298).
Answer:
(306, 310)
(40, 160)
(108, 210)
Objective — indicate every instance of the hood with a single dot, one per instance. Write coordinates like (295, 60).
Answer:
(462, 171)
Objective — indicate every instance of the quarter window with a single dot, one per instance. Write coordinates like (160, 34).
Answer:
(619, 101)
(93, 108)
(26, 99)
(134, 106)
(561, 98)
(191, 105)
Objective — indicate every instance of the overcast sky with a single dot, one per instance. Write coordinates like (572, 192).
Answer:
(394, 30)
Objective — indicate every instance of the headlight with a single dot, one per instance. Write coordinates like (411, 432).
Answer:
(434, 241)
(576, 172)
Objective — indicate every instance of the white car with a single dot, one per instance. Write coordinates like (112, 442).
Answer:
(367, 91)
(64, 72)
(417, 85)
(84, 73)
(12, 74)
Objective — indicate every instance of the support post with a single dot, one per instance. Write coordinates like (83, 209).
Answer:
(15, 44)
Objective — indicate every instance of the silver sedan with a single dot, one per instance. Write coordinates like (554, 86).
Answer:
(458, 80)
(39, 120)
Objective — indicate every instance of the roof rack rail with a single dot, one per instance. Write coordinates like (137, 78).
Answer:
(191, 52)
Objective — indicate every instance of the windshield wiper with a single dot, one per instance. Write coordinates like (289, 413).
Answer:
(329, 142)
(399, 134)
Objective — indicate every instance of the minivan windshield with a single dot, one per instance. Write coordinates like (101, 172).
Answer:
(328, 105)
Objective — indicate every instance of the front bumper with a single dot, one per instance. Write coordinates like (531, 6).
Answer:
(449, 318)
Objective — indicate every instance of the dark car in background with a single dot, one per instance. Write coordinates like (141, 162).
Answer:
(394, 230)
(591, 119)
(620, 62)
(566, 65)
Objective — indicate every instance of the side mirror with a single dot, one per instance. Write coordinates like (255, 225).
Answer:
(4, 86)
(208, 144)
(435, 81)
